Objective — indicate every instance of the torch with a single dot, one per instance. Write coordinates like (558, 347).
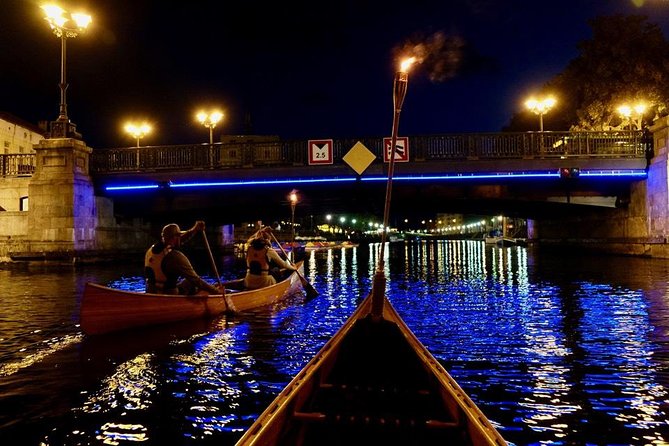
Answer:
(399, 92)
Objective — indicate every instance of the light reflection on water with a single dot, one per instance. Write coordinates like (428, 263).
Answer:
(554, 349)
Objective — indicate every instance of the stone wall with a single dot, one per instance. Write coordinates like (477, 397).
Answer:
(65, 221)
(11, 192)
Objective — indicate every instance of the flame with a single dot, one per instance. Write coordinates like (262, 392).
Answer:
(406, 64)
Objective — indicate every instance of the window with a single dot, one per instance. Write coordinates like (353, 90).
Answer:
(23, 204)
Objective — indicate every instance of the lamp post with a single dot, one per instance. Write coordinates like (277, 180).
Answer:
(138, 131)
(399, 92)
(64, 25)
(293, 202)
(629, 113)
(540, 107)
(210, 120)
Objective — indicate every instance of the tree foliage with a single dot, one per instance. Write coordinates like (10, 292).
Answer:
(626, 61)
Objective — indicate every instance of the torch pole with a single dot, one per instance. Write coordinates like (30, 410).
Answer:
(379, 280)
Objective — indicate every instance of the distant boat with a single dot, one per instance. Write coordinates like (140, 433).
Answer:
(505, 241)
(319, 246)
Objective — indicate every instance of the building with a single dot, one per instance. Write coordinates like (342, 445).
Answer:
(18, 136)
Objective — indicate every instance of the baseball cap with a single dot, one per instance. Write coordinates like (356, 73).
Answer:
(171, 230)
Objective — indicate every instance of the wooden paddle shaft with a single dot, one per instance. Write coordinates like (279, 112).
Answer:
(211, 257)
(307, 286)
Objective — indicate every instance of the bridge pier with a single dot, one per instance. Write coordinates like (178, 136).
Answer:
(64, 220)
(639, 226)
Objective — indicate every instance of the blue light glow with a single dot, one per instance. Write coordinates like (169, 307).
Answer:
(630, 173)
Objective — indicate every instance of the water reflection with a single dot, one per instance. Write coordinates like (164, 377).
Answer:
(554, 349)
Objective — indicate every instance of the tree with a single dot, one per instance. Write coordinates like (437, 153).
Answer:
(625, 61)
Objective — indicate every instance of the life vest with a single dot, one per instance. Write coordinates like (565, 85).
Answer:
(257, 261)
(153, 268)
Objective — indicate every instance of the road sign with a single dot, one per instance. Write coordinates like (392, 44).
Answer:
(401, 149)
(320, 151)
(359, 157)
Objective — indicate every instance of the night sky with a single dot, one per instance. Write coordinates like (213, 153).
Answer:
(303, 70)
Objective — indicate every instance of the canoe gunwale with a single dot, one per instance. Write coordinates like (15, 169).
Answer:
(269, 424)
(102, 308)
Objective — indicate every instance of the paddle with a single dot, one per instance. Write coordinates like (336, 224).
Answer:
(218, 277)
(211, 257)
(311, 291)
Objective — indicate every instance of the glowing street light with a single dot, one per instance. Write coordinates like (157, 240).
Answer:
(540, 107)
(64, 25)
(210, 120)
(293, 202)
(137, 131)
(631, 112)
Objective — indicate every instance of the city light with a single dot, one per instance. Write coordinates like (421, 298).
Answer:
(547, 175)
(64, 25)
(633, 114)
(137, 131)
(540, 107)
(210, 120)
(293, 202)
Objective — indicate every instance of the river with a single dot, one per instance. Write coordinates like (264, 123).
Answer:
(555, 348)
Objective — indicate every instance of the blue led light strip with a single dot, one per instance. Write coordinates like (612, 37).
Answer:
(632, 173)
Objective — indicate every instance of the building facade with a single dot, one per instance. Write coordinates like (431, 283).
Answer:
(18, 136)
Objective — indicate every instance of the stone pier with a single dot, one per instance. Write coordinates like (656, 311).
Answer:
(62, 219)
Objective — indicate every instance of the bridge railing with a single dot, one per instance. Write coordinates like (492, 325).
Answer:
(526, 145)
(17, 165)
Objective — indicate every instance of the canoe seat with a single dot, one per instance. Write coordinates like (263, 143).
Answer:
(342, 406)
(319, 429)
(377, 392)
(318, 417)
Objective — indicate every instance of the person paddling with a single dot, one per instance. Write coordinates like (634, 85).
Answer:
(168, 271)
(260, 258)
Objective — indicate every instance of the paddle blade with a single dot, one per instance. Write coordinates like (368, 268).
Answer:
(308, 288)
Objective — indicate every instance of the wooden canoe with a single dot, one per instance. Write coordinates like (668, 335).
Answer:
(105, 309)
(373, 382)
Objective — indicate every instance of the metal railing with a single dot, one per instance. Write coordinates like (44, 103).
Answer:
(17, 165)
(483, 146)
(450, 147)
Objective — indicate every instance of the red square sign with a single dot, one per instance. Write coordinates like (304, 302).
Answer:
(320, 151)
(401, 149)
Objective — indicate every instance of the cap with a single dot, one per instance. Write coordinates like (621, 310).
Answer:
(171, 230)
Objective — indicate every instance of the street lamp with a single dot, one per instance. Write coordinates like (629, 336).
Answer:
(540, 107)
(631, 112)
(293, 202)
(137, 131)
(64, 25)
(210, 120)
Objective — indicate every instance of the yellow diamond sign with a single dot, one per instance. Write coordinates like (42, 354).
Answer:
(359, 157)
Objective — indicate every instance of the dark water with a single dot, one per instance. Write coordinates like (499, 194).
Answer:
(555, 349)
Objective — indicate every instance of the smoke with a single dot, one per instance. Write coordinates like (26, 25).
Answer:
(439, 54)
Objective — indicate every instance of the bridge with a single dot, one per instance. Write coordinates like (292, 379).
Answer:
(607, 187)
(252, 176)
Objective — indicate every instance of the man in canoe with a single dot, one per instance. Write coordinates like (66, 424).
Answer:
(168, 270)
(260, 258)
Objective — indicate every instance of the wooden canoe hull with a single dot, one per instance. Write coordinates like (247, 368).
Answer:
(249, 299)
(105, 309)
(373, 382)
